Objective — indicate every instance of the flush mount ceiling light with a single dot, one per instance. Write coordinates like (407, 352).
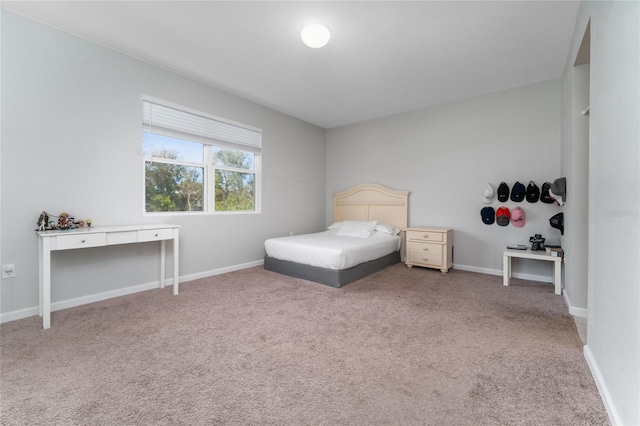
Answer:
(315, 35)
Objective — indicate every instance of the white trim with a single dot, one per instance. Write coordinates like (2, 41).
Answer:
(529, 277)
(573, 310)
(614, 417)
(19, 314)
(70, 303)
(219, 271)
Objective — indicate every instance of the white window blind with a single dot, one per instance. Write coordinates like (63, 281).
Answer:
(174, 122)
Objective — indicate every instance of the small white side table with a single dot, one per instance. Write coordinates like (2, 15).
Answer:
(537, 255)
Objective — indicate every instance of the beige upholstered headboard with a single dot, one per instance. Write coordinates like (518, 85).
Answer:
(370, 201)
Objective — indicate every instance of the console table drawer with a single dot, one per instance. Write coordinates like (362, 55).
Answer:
(155, 235)
(125, 237)
(67, 242)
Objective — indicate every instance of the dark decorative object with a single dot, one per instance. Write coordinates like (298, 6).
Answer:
(537, 243)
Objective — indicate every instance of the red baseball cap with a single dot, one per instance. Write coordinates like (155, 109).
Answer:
(503, 216)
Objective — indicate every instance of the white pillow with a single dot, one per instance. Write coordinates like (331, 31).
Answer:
(357, 228)
(387, 229)
(335, 225)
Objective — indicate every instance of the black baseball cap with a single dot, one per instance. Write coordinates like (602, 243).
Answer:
(545, 197)
(533, 192)
(488, 215)
(557, 221)
(517, 192)
(503, 192)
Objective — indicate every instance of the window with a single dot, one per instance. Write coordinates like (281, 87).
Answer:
(198, 163)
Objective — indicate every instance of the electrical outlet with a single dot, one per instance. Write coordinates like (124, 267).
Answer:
(8, 271)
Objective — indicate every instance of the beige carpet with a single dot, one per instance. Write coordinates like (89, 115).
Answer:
(402, 347)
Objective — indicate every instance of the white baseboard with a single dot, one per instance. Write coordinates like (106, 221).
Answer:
(19, 314)
(477, 269)
(70, 303)
(498, 272)
(614, 417)
(219, 271)
(573, 310)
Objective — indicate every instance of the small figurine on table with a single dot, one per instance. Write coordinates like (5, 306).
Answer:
(43, 221)
(63, 221)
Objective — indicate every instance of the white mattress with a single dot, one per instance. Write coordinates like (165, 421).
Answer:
(330, 251)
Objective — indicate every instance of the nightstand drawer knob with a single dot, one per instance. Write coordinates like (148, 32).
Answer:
(425, 249)
(426, 236)
(82, 241)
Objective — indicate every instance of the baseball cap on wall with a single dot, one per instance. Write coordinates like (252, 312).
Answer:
(503, 216)
(503, 192)
(487, 194)
(517, 192)
(517, 217)
(545, 197)
(533, 192)
(558, 190)
(557, 221)
(488, 215)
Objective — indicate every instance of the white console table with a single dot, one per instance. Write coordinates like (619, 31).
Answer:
(79, 238)
(537, 255)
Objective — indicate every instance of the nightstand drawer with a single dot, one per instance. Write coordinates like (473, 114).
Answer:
(425, 253)
(425, 236)
(155, 235)
(425, 258)
(67, 242)
(424, 248)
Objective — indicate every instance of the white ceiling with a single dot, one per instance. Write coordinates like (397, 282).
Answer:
(383, 57)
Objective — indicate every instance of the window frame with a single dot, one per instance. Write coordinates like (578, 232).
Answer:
(208, 166)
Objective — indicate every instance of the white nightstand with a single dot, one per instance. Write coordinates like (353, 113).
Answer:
(430, 248)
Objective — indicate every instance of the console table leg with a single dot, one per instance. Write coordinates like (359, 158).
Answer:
(45, 283)
(557, 277)
(506, 270)
(40, 275)
(162, 263)
(176, 252)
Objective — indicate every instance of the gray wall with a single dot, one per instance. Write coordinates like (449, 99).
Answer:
(445, 155)
(71, 141)
(575, 166)
(613, 346)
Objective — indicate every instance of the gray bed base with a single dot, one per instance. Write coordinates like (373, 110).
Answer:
(330, 277)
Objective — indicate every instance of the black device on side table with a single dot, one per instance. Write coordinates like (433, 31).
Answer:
(537, 242)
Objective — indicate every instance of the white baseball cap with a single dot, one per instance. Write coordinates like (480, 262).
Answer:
(487, 194)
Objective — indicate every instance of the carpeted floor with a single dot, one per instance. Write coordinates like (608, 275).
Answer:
(252, 347)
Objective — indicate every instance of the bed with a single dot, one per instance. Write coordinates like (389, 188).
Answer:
(337, 257)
